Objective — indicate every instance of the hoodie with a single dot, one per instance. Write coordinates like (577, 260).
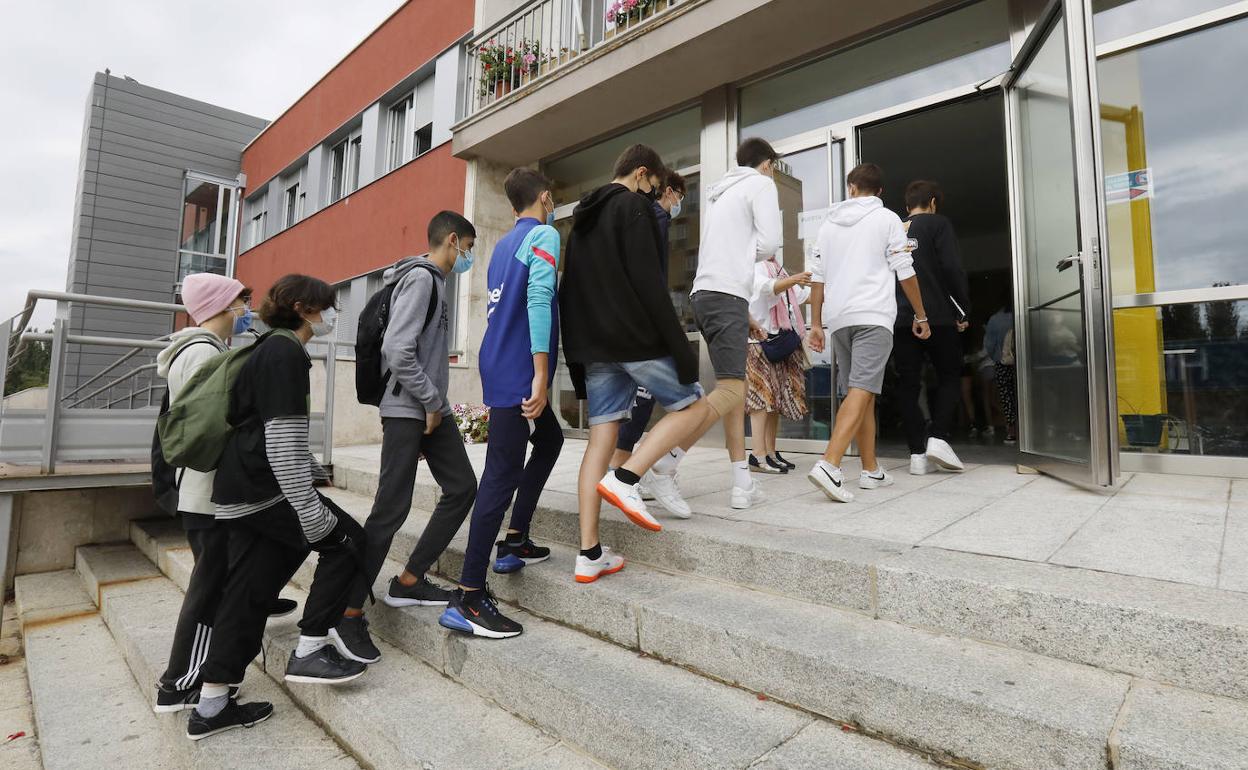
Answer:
(416, 355)
(740, 226)
(613, 302)
(188, 350)
(860, 254)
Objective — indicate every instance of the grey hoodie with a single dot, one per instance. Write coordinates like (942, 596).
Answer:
(415, 354)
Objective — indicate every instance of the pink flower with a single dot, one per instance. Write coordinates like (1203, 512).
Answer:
(529, 58)
(632, 4)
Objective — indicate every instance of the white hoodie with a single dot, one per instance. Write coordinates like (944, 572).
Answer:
(860, 247)
(740, 226)
(195, 488)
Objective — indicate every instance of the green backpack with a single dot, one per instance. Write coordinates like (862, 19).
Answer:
(194, 431)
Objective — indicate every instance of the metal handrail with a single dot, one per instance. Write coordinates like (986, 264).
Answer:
(111, 385)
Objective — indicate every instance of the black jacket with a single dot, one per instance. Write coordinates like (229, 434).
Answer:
(938, 264)
(613, 300)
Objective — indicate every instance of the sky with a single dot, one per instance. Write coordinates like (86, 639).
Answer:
(254, 56)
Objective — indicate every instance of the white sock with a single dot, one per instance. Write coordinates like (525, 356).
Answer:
(309, 645)
(741, 474)
(829, 467)
(212, 699)
(666, 465)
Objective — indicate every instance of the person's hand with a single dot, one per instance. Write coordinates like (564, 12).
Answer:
(963, 326)
(533, 406)
(815, 339)
(802, 279)
(756, 331)
(432, 421)
(922, 329)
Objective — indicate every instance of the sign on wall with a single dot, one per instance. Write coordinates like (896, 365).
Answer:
(1131, 186)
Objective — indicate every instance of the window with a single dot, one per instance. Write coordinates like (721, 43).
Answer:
(206, 242)
(292, 205)
(396, 132)
(424, 139)
(344, 167)
(256, 227)
(1119, 18)
(409, 126)
(353, 164)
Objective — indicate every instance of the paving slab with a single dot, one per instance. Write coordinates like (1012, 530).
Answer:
(1233, 567)
(47, 596)
(1019, 529)
(827, 747)
(907, 519)
(19, 745)
(1171, 485)
(1164, 728)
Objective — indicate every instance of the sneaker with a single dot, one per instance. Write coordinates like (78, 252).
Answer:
(627, 498)
(422, 594)
(666, 490)
(352, 640)
(776, 464)
(939, 452)
(325, 666)
(880, 478)
(973, 433)
(513, 558)
(785, 462)
(1011, 437)
(476, 613)
(919, 466)
(234, 714)
(746, 498)
(830, 482)
(646, 494)
(169, 701)
(588, 570)
(764, 467)
(989, 433)
(280, 608)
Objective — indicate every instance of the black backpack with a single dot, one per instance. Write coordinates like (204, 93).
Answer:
(165, 478)
(370, 383)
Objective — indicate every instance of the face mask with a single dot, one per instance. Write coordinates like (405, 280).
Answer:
(675, 212)
(463, 261)
(243, 322)
(550, 216)
(325, 326)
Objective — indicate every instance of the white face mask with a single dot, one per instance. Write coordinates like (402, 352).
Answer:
(325, 326)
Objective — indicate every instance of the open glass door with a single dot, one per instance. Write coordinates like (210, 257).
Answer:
(1062, 321)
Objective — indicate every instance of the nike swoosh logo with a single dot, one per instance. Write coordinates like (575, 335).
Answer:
(474, 612)
(829, 475)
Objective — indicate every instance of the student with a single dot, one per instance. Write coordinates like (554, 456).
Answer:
(861, 246)
(414, 423)
(274, 516)
(666, 208)
(221, 307)
(521, 341)
(946, 295)
(620, 332)
(999, 345)
(741, 227)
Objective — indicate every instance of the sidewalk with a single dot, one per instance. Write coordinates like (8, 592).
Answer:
(1186, 529)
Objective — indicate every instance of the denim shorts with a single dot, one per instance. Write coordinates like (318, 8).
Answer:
(611, 388)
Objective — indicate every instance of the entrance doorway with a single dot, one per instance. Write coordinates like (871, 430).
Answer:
(960, 145)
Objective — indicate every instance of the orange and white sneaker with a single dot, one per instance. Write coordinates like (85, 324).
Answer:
(627, 497)
(588, 570)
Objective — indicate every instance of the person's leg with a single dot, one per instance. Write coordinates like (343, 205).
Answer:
(547, 440)
(758, 433)
(401, 442)
(602, 440)
(448, 462)
(945, 350)
(772, 428)
(866, 438)
(193, 633)
(504, 468)
(339, 562)
(724, 321)
(967, 387)
(908, 359)
(848, 420)
(631, 431)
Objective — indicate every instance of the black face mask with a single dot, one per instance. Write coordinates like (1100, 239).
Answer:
(654, 193)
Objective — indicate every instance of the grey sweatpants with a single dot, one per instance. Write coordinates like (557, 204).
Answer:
(402, 444)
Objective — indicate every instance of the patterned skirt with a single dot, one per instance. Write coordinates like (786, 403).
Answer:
(777, 387)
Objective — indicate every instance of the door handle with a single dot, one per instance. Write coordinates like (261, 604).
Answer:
(1067, 262)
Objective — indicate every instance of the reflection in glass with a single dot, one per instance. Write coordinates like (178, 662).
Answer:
(1188, 392)
(199, 217)
(1118, 18)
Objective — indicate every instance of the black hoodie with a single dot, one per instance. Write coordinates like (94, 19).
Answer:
(938, 263)
(613, 300)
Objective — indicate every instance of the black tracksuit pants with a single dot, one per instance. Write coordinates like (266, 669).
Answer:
(944, 350)
(193, 633)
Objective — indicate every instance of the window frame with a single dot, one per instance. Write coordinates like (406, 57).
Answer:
(344, 177)
(401, 119)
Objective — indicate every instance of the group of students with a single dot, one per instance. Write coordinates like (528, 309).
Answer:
(254, 520)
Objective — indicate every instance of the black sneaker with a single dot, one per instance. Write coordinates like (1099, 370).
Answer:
(423, 594)
(513, 557)
(325, 666)
(234, 714)
(169, 701)
(352, 640)
(476, 613)
(776, 464)
(280, 608)
(785, 462)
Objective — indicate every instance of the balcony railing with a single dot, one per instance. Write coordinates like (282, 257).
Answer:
(539, 38)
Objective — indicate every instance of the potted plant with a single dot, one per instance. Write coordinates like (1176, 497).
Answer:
(505, 67)
(473, 422)
(623, 12)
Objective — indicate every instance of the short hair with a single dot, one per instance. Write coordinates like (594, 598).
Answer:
(524, 186)
(867, 177)
(674, 181)
(920, 191)
(446, 222)
(637, 156)
(754, 152)
(278, 310)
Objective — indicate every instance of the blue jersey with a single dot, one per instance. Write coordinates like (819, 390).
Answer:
(522, 314)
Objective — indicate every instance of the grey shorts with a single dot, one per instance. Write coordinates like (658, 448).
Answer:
(861, 354)
(724, 321)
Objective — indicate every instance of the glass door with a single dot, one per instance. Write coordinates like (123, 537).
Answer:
(1061, 340)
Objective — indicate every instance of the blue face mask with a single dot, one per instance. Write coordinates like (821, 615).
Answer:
(243, 322)
(675, 212)
(463, 261)
(550, 217)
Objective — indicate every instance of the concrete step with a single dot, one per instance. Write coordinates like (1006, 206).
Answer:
(1188, 636)
(19, 742)
(627, 711)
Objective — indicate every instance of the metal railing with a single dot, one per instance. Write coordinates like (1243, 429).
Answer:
(541, 37)
(115, 419)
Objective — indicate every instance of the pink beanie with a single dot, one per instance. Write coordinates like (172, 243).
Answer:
(206, 294)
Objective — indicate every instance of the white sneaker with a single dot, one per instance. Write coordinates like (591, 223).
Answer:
(588, 570)
(939, 452)
(627, 497)
(646, 493)
(830, 482)
(919, 465)
(880, 478)
(747, 498)
(666, 491)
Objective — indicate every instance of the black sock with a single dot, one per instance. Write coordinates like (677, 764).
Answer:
(627, 476)
(594, 553)
(515, 538)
